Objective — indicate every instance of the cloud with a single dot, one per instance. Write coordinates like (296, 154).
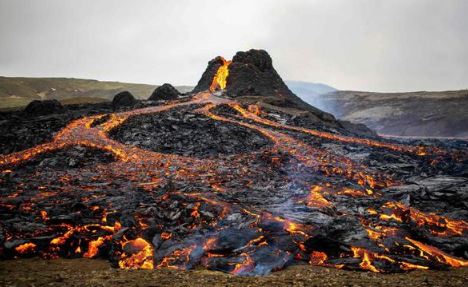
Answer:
(376, 45)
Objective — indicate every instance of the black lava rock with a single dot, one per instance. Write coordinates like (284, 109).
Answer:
(251, 73)
(164, 92)
(47, 107)
(188, 134)
(358, 129)
(124, 98)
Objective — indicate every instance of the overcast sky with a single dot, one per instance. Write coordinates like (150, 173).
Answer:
(373, 45)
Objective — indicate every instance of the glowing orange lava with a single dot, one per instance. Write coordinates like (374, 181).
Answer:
(220, 78)
(132, 163)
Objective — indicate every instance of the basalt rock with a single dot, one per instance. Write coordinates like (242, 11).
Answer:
(251, 73)
(358, 129)
(188, 134)
(216, 183)
(40, 108)
(164, 92)
(124, 98)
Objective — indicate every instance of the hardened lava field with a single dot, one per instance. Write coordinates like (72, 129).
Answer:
(285, 195)
(183, 132)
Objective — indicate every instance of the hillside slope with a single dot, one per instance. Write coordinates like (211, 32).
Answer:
(435, 114)
(310, 92)
(18, 92)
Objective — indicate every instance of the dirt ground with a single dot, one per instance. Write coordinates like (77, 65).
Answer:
(86, 272)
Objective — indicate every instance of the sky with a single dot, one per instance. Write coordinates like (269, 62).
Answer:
(367, 45)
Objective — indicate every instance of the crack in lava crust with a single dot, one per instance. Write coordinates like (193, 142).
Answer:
(178, 212)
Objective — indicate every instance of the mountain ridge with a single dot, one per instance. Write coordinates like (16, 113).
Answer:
(435, 114)
(17, 92)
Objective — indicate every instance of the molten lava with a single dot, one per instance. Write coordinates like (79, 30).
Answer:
(139, 255)
(172, 227)
(220, 79)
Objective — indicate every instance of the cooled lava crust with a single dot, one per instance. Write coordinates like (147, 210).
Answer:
(184, 132)
(274, 192)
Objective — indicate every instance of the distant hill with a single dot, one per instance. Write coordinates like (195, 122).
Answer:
(18, 92)
(401, 114)
(424, 114)
(310, 92)
(431, 114)
(316, 88)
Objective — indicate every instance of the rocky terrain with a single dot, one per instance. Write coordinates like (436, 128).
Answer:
(240, 176)
(425, 114)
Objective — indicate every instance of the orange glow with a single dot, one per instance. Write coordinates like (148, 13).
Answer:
(255, 240)
(439, 255)
(177, 259)
(195, 211)
(436, 223)
(132, 162)
(255, 109)
(295, 228)
(166, 235)
(418, 150)
(366, 259)
(26, 248)
(44, 215)
(352, 192)
(408, 266)
(142, 259)
(316, 199)
(93, 246)
(220, 79)
(246, 266)
(317, 258)
(378, 232)
(210, 243)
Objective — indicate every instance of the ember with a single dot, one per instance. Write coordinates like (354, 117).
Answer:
(267, 194)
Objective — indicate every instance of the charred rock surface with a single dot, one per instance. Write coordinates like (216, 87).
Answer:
(40, 108)
(164, 92)
(189, 134)
(75, 157)
(358, 129)
(19, 132)
(251, 73)
(255, 190)
(259, 206)
(122, 99)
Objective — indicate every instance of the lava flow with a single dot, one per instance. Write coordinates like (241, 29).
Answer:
(220, 79)
(286, 200)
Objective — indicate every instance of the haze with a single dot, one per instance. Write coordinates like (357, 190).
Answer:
(371, 45)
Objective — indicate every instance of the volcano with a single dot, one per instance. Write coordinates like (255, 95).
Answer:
(240, 176)
(250, 75)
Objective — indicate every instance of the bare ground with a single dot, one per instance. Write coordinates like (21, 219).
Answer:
(87, 272)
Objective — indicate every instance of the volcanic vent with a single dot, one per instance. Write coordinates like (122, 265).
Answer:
(293, 191)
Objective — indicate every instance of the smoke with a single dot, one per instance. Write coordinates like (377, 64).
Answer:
(314, 94)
